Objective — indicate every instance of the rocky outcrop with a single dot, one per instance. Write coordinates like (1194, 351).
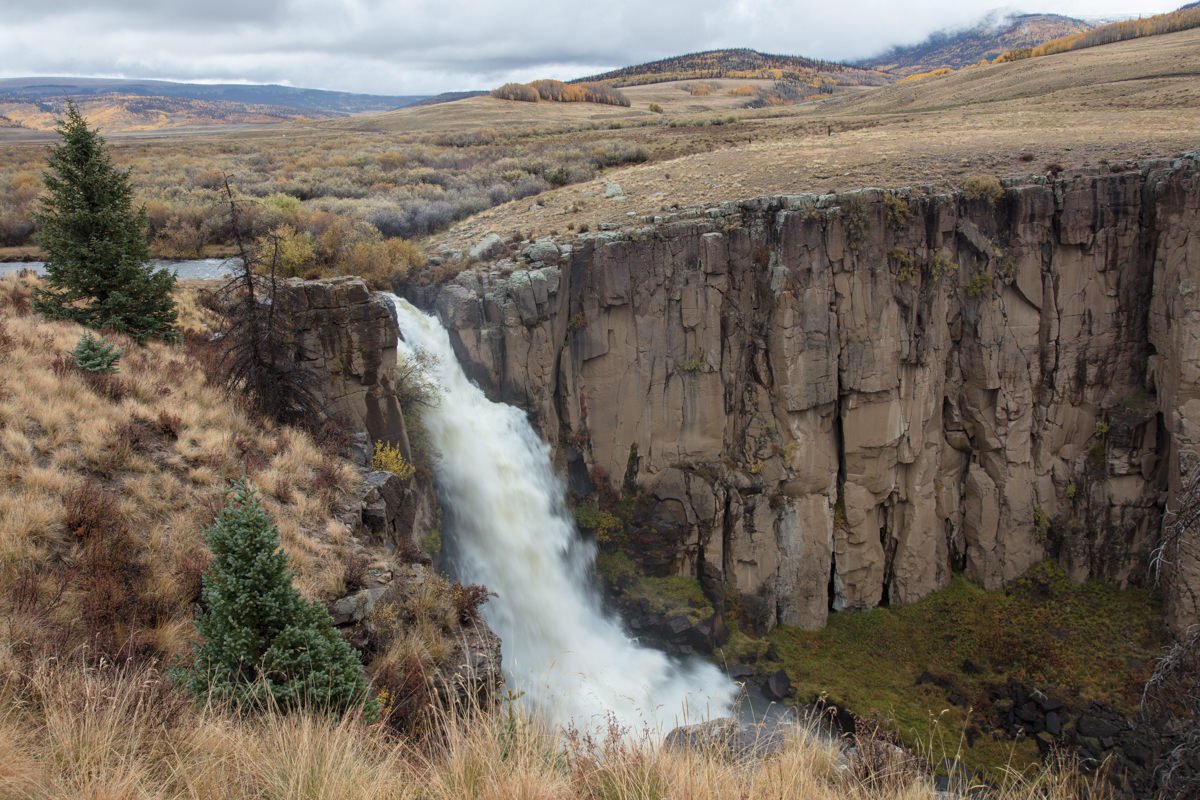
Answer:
(347, 335)
(839, 400)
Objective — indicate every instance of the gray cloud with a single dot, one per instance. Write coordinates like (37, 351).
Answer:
(420, 46)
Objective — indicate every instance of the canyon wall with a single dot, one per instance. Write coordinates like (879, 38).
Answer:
(837, 401)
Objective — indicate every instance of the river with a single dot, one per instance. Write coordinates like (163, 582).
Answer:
(203, 269)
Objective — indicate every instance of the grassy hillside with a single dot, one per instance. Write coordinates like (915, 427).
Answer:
(1104, 107)
(986, 41)
(1185, 18)
(119, 105)
(106, 482)
(299, 100)
(114, 113)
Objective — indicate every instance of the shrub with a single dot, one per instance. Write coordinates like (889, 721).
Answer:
(96, 355)
(89, 510)
(906, 265)
(983, 187)
(378, 262)
(606, 526)
(942, 264)
(388, 458)
(895, 211)
(655, 108)
(467, 600)
(694, 364)
(412, 381)
(980, 284)
(291, 251)
(856, 225)
(263, 644)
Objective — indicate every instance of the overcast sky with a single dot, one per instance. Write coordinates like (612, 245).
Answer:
(430, 46)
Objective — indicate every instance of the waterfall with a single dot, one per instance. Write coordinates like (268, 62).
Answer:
(511, 531)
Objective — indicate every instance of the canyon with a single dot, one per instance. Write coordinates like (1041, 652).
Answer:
(837, 401)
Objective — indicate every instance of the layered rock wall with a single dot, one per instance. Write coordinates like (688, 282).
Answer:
(838, 401)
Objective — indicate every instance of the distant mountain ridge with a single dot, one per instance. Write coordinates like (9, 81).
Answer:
(987, 40)
(732, 63)
(314, 101)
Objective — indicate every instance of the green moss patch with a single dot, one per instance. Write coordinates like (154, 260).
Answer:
(1073, 642)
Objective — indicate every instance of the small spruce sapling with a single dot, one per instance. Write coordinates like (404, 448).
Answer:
(263, 644)
(96, 355)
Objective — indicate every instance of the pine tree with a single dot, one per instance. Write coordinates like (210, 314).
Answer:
(262, 642)
(97, 270)
(96, 355)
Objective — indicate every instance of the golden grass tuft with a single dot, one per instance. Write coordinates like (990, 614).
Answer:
(68, 730)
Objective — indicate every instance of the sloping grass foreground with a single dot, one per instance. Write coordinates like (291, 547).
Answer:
(67, 731)
(108, 480)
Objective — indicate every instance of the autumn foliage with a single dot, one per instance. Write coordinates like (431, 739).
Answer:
(559, 92)
(920, 76)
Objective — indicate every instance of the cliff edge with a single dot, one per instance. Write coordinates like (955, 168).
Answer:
(837, 401)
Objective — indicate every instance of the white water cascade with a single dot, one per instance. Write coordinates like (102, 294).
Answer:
(504, 513)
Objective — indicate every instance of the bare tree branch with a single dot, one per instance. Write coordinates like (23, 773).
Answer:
(255, 341)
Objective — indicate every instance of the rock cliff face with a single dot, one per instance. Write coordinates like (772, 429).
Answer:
(347, 335)
(836, 401)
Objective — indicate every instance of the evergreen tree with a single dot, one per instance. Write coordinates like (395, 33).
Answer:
(96, 355)
(262, 641)
(97, 270)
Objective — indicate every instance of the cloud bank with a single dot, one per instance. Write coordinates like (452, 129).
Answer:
(429, 46)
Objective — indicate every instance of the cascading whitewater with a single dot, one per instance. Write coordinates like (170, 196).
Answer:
(504, 514)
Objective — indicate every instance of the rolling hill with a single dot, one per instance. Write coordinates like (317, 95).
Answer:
(988, 39)
(737, 63)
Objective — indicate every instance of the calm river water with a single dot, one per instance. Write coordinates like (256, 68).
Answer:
(199, 270)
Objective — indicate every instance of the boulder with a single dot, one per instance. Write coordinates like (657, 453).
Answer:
(728, 739)
(543, 250)
(778, 686)
(486, 247)
(1095, 727)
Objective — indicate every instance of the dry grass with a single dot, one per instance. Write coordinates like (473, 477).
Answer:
(122, 473)
(69, 731)
(1134, 100)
